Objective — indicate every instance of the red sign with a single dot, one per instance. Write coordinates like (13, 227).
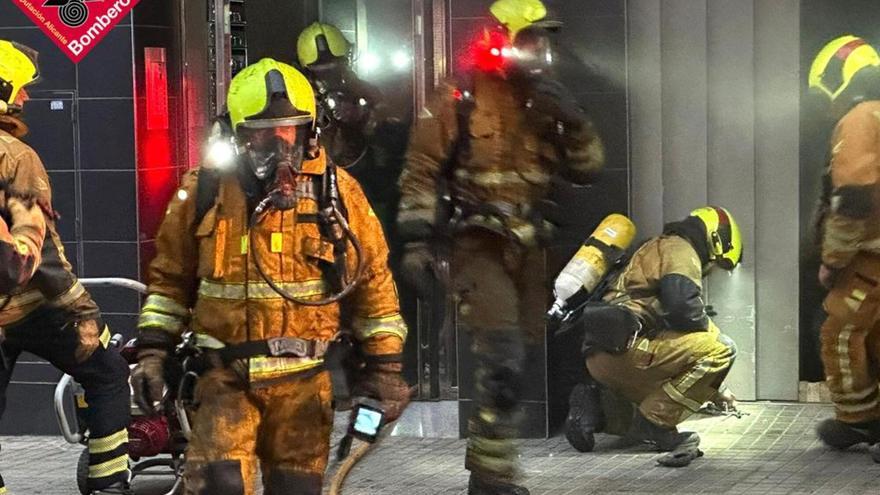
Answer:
(76, 25)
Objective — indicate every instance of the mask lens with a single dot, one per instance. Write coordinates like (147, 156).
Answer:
(273, 147)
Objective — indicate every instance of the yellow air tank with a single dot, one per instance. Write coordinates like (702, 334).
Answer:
(590, 263)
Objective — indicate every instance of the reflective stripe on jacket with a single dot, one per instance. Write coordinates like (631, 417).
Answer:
(204, 275)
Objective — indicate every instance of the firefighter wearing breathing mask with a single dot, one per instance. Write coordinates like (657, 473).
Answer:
(353, 130)
(677, 359)
(494, 143)
(846, 76)
(259, 277)
(44, 309)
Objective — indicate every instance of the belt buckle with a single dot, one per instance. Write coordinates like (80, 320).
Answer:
(635, 337)
(288, 347)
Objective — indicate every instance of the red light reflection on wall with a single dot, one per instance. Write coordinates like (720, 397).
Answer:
(158, 165)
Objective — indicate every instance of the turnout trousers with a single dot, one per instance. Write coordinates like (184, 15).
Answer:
(285, 427)
(669, 376)
(850, 339)
(79, 348)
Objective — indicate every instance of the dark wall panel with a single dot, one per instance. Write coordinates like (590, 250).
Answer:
(273, 27)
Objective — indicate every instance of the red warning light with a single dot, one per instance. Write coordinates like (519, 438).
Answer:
(487, 52)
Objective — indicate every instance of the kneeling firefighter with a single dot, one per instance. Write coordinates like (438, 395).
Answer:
(651, 341)
(44, 309)
(260, 271)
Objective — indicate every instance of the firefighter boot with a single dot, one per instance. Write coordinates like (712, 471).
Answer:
(479, 485)
(118, 488)
(875, 452)
(585, 416)
(665, 438)
(839, 435)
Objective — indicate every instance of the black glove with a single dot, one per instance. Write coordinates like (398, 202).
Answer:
(148, 377)
(382, 381)
(417, 267)
(549, 97)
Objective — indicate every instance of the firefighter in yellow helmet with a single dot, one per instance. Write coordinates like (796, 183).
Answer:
(354, 131)
(677, 358)
(44, 309)
(258, 260)
(847, 73)
(493, 139)
(516, 15)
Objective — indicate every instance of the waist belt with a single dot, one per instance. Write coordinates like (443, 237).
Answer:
(275, 347)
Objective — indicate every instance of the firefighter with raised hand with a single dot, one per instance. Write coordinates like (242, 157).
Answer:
(256, 258)
(846, 74)
(44, 309)
(677, 359)
(495, 141)
(353, 131)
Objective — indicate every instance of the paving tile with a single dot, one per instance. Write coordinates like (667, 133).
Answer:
(773, 451)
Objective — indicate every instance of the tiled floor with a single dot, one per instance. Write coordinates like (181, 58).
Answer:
(773, 450)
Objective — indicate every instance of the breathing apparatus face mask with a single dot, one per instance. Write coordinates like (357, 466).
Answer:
(275, 154)
(339, 100)
(268, 149)
(534, 51)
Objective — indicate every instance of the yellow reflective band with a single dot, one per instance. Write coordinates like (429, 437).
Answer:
(162, 304)
(24, 299)
(158, 320)
(244, 244)
(857, 408)
(854, 396)
(208, 342)
(259, 367)
(277, 242)
(105, 337)
(72, 294)
(677, 396)
(415, 215)
(2, 490)
(844, 362)
(498, 178)
(109, 468)
(260, 290)
(365, 328)
(106, 444)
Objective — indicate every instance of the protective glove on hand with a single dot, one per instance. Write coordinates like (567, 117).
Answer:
(552, 98)
(384, 383)
(417, 267)
(148, 378)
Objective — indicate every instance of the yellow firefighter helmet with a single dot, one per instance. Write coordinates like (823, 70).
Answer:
(516, 15)
(252, 89)
(18, 68)
(722, 235)
(321, 42)
(838, 63)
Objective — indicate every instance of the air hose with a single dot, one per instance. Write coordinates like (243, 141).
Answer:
(341, 232)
